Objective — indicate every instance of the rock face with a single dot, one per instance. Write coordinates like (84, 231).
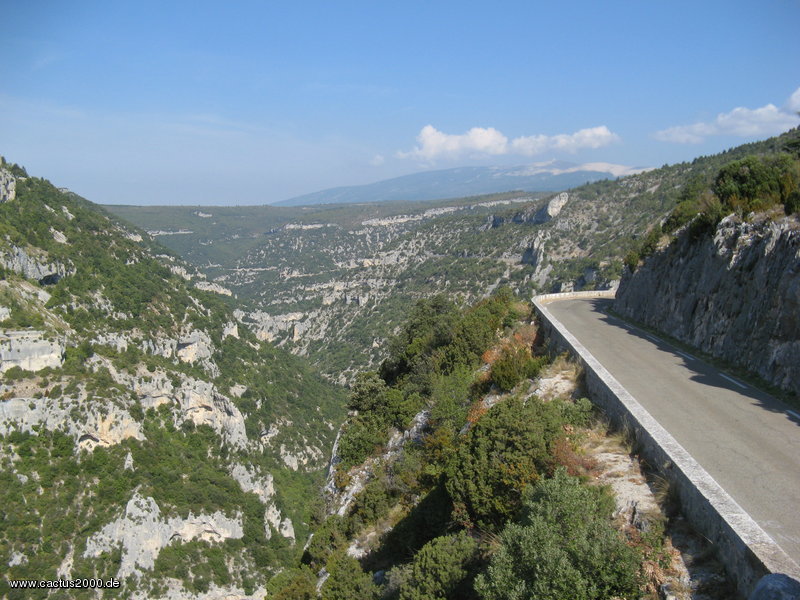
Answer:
(33, 264)
(208, 286)
(29, 350)
(735, 295)
(551, 209)
(90, 429)
(8, 186)
(142, 532)
(776, 586)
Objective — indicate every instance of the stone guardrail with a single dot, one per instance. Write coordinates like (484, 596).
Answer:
(748, 553)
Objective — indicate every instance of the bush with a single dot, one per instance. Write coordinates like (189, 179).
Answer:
(792, 204)
(711, 213)
(503, 453)
(360, 438)
(563, 548)
(371, 504)
(347, 581)
(368, 393)
(514, 365)
(755, 183)
(441, 569)
(327, 539)
(293, 584)
(631, 260)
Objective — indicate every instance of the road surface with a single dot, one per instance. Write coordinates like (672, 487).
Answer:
(746, 439)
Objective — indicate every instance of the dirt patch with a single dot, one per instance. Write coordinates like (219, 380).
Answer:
(680, 564)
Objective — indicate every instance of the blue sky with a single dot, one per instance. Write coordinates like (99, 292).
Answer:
(254, 102)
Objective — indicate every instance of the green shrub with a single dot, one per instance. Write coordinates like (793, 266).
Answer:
(293, 584)
(792, 204)
(631, 260)
(347, 581)
(755, 183)
(563, 548)
(441, 569)
(361, 436)
(327, 539)
(505, 451)
(514, 365)
(371, 504)
(368, 393)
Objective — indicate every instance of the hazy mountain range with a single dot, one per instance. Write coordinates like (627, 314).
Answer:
(469, 181)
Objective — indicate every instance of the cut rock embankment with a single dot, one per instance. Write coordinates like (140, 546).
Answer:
(734, 295)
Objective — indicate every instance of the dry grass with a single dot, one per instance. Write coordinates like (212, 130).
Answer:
(577, 464)
(622, 438)
(565, 367)
(526, 334)
(476, 411)
(491, 355)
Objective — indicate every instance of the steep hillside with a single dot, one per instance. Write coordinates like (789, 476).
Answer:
(466, 471)
(144, 434)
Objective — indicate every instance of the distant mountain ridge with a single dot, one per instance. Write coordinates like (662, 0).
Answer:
(468, 181)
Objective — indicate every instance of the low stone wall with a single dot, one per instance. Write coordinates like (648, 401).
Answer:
(747, 551)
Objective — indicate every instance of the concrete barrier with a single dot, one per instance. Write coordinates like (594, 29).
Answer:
(746, 550)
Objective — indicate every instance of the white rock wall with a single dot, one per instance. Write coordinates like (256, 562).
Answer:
(142, 532)
(29, 350)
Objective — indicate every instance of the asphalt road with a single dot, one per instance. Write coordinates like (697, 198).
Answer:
(746, 439)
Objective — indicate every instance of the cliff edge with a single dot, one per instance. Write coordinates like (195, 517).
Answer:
(734, 295)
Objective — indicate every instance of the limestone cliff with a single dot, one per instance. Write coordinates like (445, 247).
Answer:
(735, 295)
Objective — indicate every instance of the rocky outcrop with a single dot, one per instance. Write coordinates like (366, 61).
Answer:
(192, 400)
(208, 286)
(201, 403)
(175, 590)
(301, 457)
(29, 350)
(142, 532)
(231, 329)
(194, 346)
(262, 486)
(274, 519)
(251, 481)
(33, 264)
(86, 423)
(550, 210)
(8, 186)
(735, 295)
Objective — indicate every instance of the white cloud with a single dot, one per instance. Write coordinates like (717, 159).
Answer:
(433, 144)
(743, 122)
(794, 101)
(377, 160)
(594, 137)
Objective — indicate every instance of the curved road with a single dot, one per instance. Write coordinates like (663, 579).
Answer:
(746, 439)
